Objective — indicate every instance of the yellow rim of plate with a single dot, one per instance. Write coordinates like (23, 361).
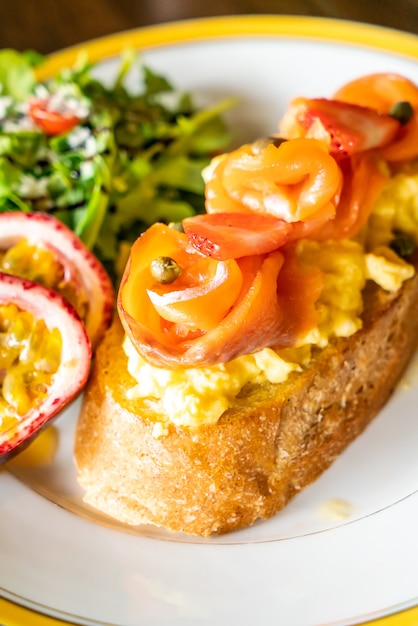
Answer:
(196, 30)
(189, 31)
(14, 615)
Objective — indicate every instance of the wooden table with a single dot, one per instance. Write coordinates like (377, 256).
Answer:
(49, 25)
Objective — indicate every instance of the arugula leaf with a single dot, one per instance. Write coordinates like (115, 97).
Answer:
(135, 156)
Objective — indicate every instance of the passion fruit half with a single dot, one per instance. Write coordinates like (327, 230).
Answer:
(40, 248)
(45, 357)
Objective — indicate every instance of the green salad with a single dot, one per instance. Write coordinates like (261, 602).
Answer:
(107, 160)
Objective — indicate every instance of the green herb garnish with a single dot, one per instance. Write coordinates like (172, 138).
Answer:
(403, 245)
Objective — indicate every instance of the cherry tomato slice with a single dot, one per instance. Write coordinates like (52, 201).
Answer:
(51, 122)
(233, 235)
(349, 128)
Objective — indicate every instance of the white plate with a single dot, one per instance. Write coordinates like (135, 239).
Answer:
(304, 567)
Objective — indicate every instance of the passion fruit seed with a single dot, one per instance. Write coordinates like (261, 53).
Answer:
(165, 270)
(402, 111)
(30, 355)
(32, 262)
(39, 264)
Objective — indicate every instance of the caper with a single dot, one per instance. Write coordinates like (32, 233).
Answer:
(402, 245)
(177, 226)
(402, 111)
(165, 270)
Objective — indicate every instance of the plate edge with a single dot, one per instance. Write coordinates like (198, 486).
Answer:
(204, 29)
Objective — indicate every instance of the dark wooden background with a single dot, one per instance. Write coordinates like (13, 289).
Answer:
(49, 25)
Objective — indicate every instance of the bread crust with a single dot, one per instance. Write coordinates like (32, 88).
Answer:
(272, 443)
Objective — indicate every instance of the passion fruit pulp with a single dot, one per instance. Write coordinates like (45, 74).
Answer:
(38, 263)
(39, 247)
(30, 355)
(45, 357)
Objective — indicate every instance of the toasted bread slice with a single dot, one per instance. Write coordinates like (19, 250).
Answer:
(272, 443)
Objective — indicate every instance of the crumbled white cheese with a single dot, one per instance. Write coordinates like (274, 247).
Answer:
(19, 124)
(78, 137)
(31, 187)
(5, 102)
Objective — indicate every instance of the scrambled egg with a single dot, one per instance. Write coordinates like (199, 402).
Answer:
(396, 209)
(200, 395)
(196, 396)
(387, 269)
(344, 274)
